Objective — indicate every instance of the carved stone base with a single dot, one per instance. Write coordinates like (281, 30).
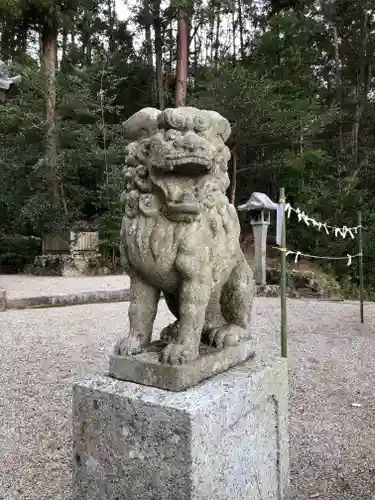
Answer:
(225, 439)
(146, 369)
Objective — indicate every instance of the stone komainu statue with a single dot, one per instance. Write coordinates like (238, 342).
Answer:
(180, 234)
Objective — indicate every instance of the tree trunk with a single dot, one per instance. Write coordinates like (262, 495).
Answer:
(217, 37)
(150, 63)
(212, 34)
(197, 50)
(89, 51)
(64, 46)
(364, 76)
(233, 177)
(111, 25)
(49, 58)
(338, 85)
(7, 43)
(86, 35)
(182, 60)
(357, 124)
(241, 29)
(149, 51)
(41, 50)
(22, 38)
(232, 167)
(171, 57)
(207, 59)
(158, 55)
(234, 27)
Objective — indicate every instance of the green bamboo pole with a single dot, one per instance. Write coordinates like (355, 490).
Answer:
(283, 277)
(360, 264)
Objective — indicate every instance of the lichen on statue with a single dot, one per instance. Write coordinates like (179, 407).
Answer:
(180, 234)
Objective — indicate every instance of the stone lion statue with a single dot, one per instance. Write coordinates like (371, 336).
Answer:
(180, 234)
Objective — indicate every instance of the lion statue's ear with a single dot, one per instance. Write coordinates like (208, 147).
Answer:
(219, 125)
(144, 123)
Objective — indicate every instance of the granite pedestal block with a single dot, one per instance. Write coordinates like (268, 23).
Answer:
(224, 439)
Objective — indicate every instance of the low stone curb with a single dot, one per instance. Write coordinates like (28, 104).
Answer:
(96, 297)
(122, 295)
(3, 300)
(67, 300)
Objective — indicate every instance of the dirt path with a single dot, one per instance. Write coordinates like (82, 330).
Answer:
(332, 372)
(18, 286)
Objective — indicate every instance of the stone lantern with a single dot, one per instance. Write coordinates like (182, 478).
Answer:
(6, 82)
(259, 206)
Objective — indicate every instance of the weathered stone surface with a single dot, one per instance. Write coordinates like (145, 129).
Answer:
(146, 369)
(225, 439)
(180, 234)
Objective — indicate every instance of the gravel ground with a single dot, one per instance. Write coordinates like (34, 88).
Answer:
(18, 286)
(331, 367)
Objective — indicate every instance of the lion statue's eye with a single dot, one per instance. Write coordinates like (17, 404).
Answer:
(142, 171)
(171, 134)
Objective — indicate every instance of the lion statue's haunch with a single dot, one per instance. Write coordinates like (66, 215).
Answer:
(180, 234)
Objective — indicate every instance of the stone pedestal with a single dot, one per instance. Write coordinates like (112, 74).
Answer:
(146, 369)
(224, 439)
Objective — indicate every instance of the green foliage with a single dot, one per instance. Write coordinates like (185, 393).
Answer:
(300, 104)
(16, 251)
(110, 209)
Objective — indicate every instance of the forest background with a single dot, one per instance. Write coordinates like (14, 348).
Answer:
(294, 77)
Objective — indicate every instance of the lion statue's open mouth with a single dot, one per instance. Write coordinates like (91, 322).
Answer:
(188, 165)
(180, 234)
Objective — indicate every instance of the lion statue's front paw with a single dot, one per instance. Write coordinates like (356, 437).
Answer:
(128, 347)
(179, 354)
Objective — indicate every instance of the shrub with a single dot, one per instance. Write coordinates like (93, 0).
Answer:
(16, 251)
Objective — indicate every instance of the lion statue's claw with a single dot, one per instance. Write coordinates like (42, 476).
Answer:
(178, 354)
(128, 347)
